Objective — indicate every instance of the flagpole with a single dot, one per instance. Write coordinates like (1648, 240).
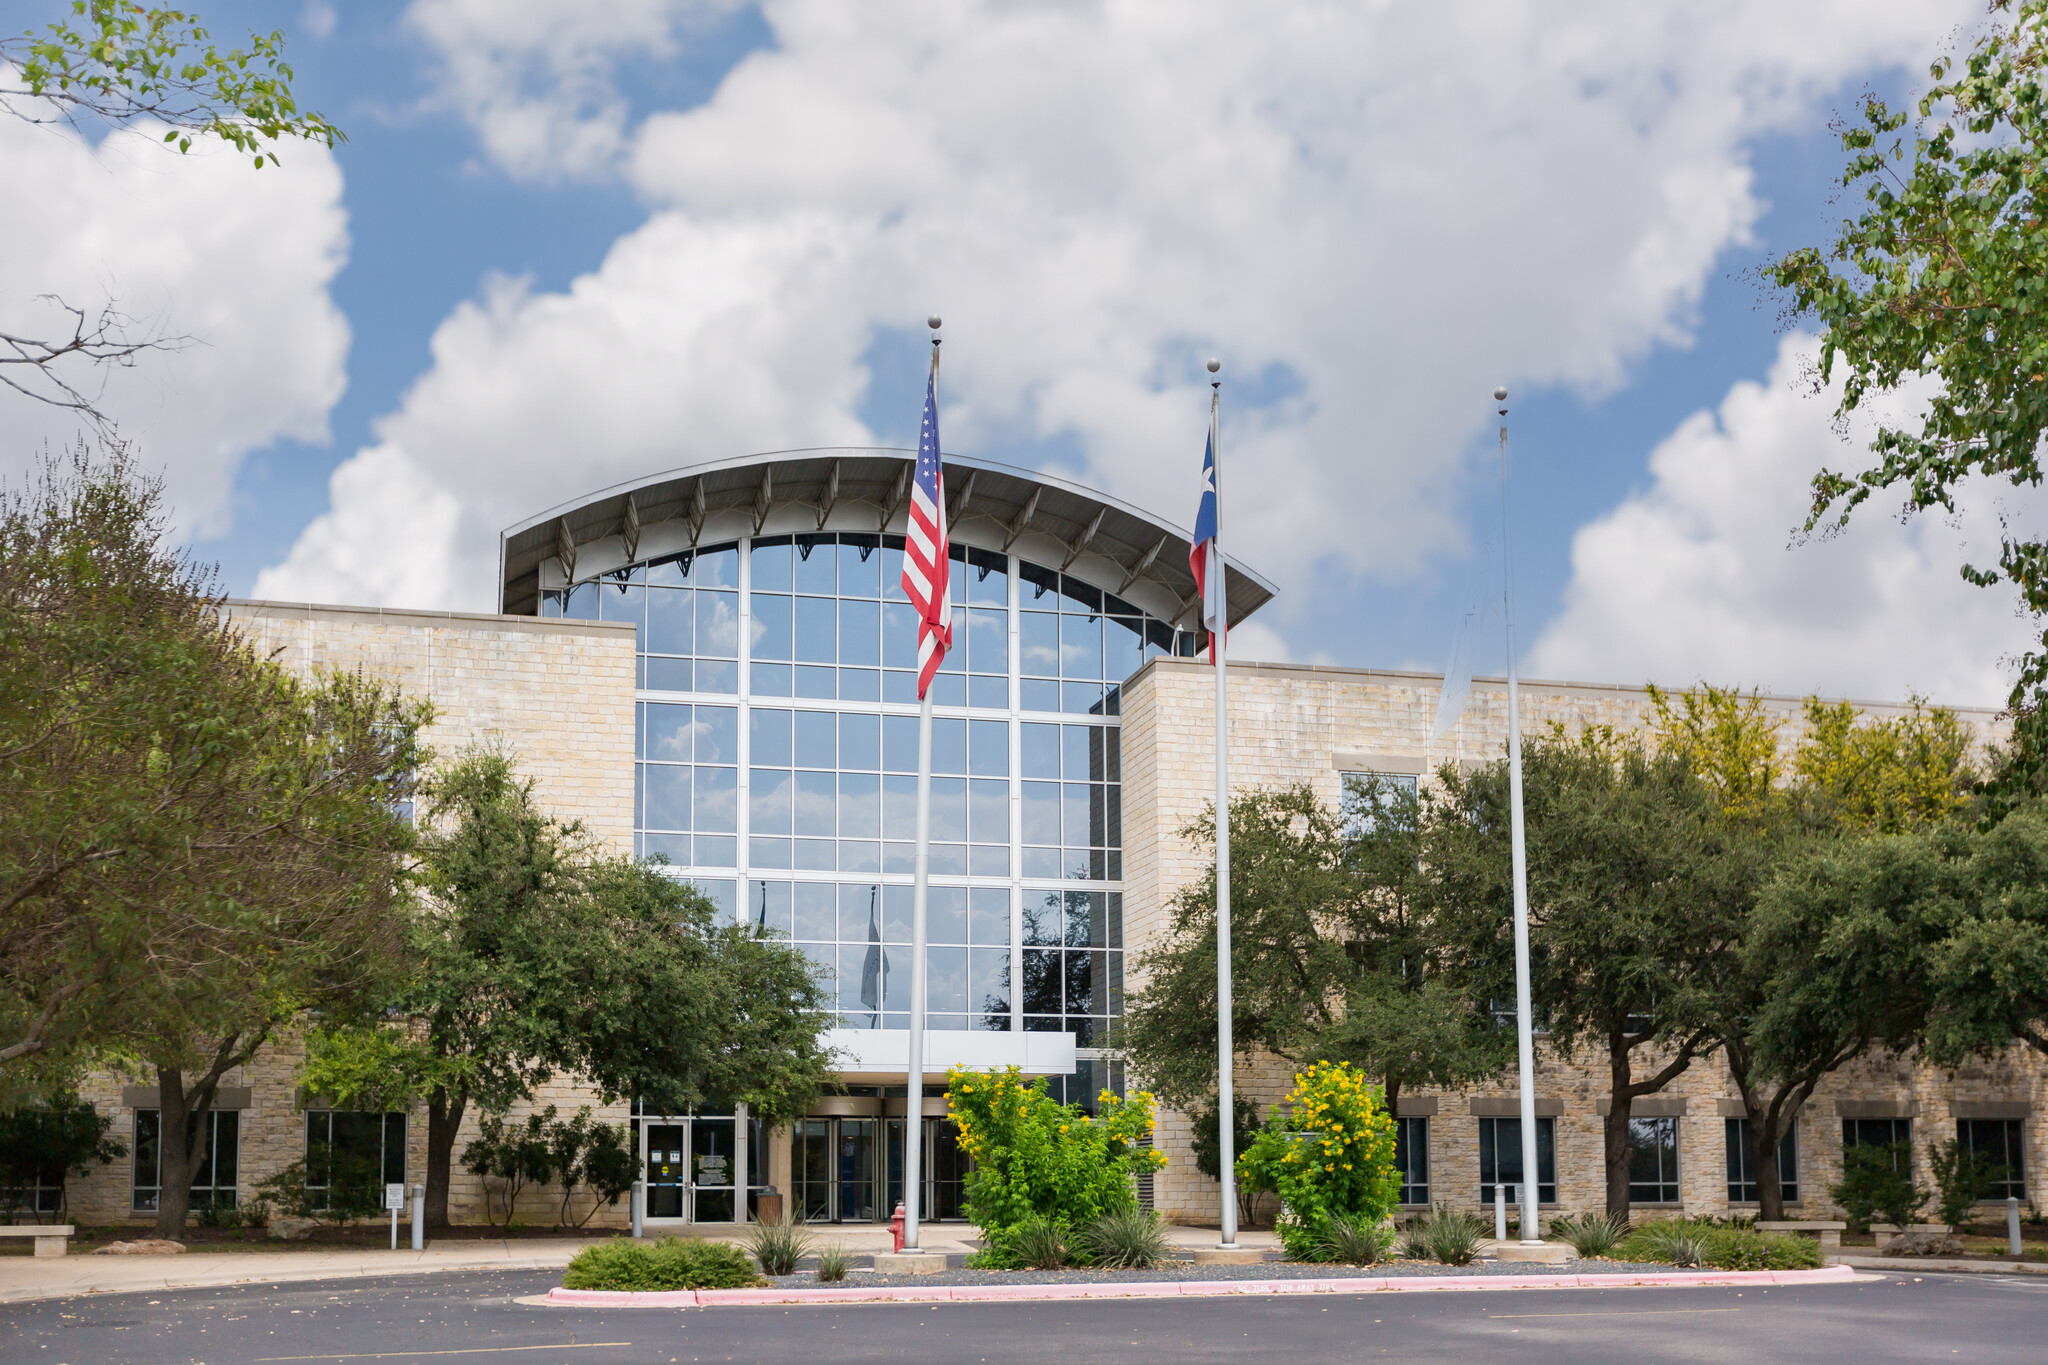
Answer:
(1226, 1101)
(913, 1090)
(1524, 1021)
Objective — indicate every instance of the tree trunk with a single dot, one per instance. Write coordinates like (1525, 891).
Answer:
(181, 1139)
(1614, 1128)
(444, 1119)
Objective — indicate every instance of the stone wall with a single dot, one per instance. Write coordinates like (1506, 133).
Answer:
(1290, 724)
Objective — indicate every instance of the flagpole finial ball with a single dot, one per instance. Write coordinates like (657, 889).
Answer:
(932, 322)
(1500, 395)
(1214, 364)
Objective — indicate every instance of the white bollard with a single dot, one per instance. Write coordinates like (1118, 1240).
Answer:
(638, 1206)
(1500, 1211)
(419, 1218)
(2012, 1225)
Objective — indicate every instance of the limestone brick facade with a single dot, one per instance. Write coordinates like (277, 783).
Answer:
(1293, 723)
(559, 694)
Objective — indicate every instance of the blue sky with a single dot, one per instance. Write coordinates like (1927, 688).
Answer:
(436, 207)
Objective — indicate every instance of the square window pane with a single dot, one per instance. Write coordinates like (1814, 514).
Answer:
(1081, 647)
(715, 801)
(987, 575)
(1075, 805)
(1115, 919)
(860, 565)
(1041, 984)
(665, 732)
(899, 687)
(1040, 745)
(945, 981)
(817, 804)
(772, 631)
(896, 911)
(949, 860)
(674, 849)
(816, 681)
(718, 624)
(816, 564)
(625, 602)
(1076, 753)
(1042, 915)
(769, 564)
(946, 914)
(580, 602)
(989, 981)
(1042, 862)
(1038, 643)
(718, 850)
(768, 737)
(860, 634)
(770, 680)
(1038, 694)
(860, 976)
(817, 739)
(899, 858)
(665, 801)
(669, 612)
(718, 734)
(771, 801)
(987, 640)
(988, 694)
(988, 916)
(860, 806)
(899, 635)
(860, 743)
(988, 860)
(769, 906)
(1041, 812)
(949, 809)
(817, 911)
(769, 853)
(860, 684)
(988, 810)
(1123, 647)
(899, 807)
(899, 744)
(1081, 699)
(949, 746)
(667, 675)
(718, 676)
(860, 855)
(1086, 919)
(988, 748)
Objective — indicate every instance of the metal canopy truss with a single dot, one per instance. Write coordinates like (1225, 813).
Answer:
(1043, 517)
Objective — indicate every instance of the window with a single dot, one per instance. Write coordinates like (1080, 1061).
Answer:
(1896, 1134)
(1366, 795)
(1500, 1158)
(1653, 1160)
(352, 1149)
(1742, 1180)
(1411, 1159)
(1997, 1142)
(213, 1183)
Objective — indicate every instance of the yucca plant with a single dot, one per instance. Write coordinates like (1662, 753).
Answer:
(1354, 1241)
(833, 1263)
(1131, 1239)
(1591, 1234)
(779, 1246)
(1041, 1243)
(1451, 1235)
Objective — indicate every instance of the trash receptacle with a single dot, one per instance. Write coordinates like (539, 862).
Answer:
(768, 1206)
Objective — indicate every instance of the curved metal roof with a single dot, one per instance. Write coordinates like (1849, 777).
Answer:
(1044, 518)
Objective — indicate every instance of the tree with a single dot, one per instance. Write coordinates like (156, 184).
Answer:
(1945, 274)
(46, 1144)
(1632, 894)
(1334, 956)
(179, 809)
(1989, 975)
(119, 63)
(531, 954)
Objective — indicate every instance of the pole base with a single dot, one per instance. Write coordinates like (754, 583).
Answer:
(909, 1263)
(1539, 1253)
(1222, 1255)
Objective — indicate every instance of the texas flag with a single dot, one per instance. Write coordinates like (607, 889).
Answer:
(1204, 558)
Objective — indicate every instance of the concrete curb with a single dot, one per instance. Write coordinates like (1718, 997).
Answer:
(212, 1277)
(1940, 1265)
(1013, 1293)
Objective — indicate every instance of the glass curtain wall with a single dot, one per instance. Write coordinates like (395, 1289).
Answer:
(778, 759)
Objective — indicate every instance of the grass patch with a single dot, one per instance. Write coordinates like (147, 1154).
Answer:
(663, 1263)
(1674, 1241)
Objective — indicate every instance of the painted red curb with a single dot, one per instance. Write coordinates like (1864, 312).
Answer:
(1381, 1284)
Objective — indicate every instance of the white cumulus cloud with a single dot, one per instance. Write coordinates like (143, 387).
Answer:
(1371, 212)
(199, 246)
(1700, 575)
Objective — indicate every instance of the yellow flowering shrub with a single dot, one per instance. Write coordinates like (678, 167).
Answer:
(1034, 1158)
(1332, 1156)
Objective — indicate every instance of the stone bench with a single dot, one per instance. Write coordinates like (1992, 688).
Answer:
(1883, 1233)
(50, 1237)
(1830, 1233)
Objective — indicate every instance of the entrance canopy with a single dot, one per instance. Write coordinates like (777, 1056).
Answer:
(879, 1056)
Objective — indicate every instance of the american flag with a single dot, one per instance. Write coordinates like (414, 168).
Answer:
(926, 550)
(1204, 558)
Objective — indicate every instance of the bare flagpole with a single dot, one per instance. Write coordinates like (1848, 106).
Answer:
(1226, 1102)
(1524, 1013)
(913, 1090)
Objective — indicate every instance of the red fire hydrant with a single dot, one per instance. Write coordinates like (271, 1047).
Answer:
(896, 1225)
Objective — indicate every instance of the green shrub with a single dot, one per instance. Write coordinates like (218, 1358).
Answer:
(661, 1264)
(352, 1190)
(1129, 1239)
(1034, 1244)
(1332, 1156)
(833, 1263)
(1450, 1235)
(1962, 1177)
(1877, 1186)
(1591, 1234)
(47, 1144)
(1035, 1159)
(1353, 1241)
(1688, 1242)
(778, 1247)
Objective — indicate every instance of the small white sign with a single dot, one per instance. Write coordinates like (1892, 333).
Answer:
(394, 1198)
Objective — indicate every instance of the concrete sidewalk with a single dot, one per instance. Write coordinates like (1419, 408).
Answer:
(1905, 1265)
(25, 1277)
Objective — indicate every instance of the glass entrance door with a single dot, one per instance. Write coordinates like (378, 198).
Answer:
(711, 1170)
(855, 1174)
(667, 1176)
